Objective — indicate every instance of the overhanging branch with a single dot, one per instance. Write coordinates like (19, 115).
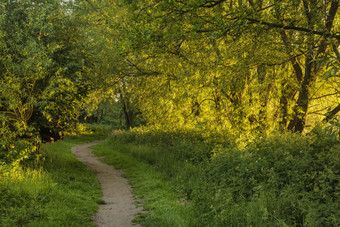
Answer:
(291, 27)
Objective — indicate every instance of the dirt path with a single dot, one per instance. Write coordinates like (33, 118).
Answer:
(119, 209)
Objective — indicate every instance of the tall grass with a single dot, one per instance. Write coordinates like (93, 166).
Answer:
(56, 191)
(278, 180)
(149, 185)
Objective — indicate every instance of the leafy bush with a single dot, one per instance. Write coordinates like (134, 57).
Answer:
(17, 145)
(283, 179)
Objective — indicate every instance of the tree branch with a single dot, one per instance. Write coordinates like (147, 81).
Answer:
(331, 114)
(323, 96)
(212, 4)
(291, 27)
(335, 49)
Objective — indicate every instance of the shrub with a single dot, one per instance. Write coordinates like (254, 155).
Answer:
(17, 145)
(283, 179)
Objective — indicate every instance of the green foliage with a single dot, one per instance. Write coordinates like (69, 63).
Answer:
(14, 150)
(278, 180)
(60, 191)
(150, 187)
(44, 74)
(99, 129)
(108, 113)
(238, 65)
(189, 145)
(291, 179)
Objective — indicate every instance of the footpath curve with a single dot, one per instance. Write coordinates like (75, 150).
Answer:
(118, 210)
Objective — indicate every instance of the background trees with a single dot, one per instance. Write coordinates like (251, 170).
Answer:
(240, 66)
(250, 65)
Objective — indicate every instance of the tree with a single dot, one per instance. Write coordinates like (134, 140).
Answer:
(239, 59)
(111, 66)
(44, 69)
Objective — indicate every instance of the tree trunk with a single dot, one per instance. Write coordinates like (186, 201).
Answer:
(261, 71)
(129, 119)
(301, 106)
(286, 96)
(128, 112)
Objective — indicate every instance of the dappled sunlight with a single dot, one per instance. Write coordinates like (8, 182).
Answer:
(231, 108)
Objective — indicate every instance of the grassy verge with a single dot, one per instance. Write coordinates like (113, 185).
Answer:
(164, 206)
(188, 180)
(59, 191)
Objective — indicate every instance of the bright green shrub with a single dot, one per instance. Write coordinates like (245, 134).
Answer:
(283, 179)
(17, 145)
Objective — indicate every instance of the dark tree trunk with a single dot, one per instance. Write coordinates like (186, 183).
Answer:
(297, 124)
(128, 112)
(288, 93)
(129, 119)
(261, 71)
(284, 111)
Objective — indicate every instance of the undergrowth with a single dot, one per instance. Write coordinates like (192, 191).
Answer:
(278, 180)
(56, 190)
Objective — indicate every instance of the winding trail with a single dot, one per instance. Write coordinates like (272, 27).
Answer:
(118, 210)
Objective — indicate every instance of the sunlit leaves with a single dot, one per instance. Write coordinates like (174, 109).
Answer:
(44, 65)
(205, 57)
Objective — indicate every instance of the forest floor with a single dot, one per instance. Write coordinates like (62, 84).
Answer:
(118, 209)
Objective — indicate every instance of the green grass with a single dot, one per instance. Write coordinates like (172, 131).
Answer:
(184, 180)
(187, 180)
(59, 191)
(163, 205)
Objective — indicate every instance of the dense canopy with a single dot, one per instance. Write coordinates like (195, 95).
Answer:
(242, 66)
(224, 112)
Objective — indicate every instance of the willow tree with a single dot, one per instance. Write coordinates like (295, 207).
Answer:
(247, 59)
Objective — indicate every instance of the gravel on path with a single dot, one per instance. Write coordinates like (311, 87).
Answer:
(119, 208)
